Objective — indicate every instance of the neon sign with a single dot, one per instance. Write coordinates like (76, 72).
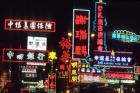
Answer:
(90, 78)
(119, 75)
(81, 32)
(29, 25)
(23, 55)
(65, 45)
(125, 36)
(52, 82)
(73, 74)
(128, 81)
(99, 25)
(137, 70)
(106, 58)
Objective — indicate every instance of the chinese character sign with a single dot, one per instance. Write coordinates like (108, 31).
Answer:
(119, 75)
(73, 74)
(118, 59)
(37, 43)
(125, 36)
(65, 46)
(23, 55)
(100, 24)
(81, 32)
(52, 82)
(29, 25)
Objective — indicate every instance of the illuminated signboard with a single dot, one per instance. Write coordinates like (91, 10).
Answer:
(29, 25)
(52, 82)
(137, 70)
(63, 74)
(81, 33)
(73, 74)
(37, 43)
(65, 46)
(90, 78)
(128, 81)
(119, 75)
(65, 56)
(28, 69)
(125, 36)
(118, 59)
(23, 55)
(99, 25)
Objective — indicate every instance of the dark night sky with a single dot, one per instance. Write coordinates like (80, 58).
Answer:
(120, 14)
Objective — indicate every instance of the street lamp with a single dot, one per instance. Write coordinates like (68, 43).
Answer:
(92, 35)
(69, 34)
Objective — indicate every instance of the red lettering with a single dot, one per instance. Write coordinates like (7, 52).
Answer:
(100, 35)
(81, 35)
(100, 22)
(84, 50)
(100, 8)
(77, 50)
(100, 28)
(100, 15)
(100, 48)
(99, 41)
(80, 19)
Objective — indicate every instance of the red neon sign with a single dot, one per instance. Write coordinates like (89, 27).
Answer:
(100, 27)
(119, 75)
(52, 82)
(29, 25)
(65, 45)
(81, 24)
(24, 55)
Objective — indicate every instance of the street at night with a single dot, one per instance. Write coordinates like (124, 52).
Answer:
(69, 46)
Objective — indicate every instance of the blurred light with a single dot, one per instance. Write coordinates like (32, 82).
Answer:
(92, 35)
(43, 69)
(100, 1)
(56, 69)
(69, 34)
(112, 53)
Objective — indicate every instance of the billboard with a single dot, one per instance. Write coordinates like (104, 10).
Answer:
(29, 25)
(108, 59)
(81, 33)
(37, 43)
(24, 55)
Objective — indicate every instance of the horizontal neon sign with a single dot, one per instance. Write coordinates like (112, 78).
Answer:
(23, 55)
(106, 58)
(125, 36)
(89, 78)
(29, 25)
(119, 75)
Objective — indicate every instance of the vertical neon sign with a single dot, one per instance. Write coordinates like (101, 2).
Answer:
(81, 33)
(52, 82)
(73, 75)
(99, 25)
